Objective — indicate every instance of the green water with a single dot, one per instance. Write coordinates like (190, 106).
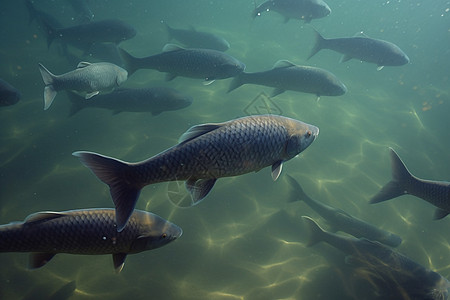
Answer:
(245, 241)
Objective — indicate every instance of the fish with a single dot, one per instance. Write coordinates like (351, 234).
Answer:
(403, 183)
(305, 10)
(83, 36)
(397, 271)
(287, 76)
(89, 78)
(382, 53)
(198, 39)
(88, 232)
(176, 61)
(154, 100)
(339, 220)
(85, 14)
(9, 95)
(204, 153)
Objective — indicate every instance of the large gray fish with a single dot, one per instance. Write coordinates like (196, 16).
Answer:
(154, 100)
(206, 64)
(287, 76)
(198, 39)
(9, 95)
(88, 78)
(379, 52)
(205, 153)
(403, 183)
(340, 220)
(87, 231)
(296, 9)
(397, 271)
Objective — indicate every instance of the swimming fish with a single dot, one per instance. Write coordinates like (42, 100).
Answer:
(86, 231)
(340, 220)
(9, 95)
(403, 182)
(205, 153)
(198, 39)
(89, 78)
(297, 9)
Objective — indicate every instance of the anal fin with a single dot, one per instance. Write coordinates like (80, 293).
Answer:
(119, 261)
(39, 259)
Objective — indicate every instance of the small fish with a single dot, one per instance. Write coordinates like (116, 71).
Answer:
(397, 271)
(403, 183)
(205, 153)
(287, 76)
(9, 95)
(155, 100)
(364, 48)
(87, 231)
(198, 39)
(296, 9)
(340, 220)
(206, 64)
(89, 78)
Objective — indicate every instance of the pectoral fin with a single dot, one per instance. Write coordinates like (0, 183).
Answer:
(200, 188)
(90, 95)
(83, 64)
(440, 213)
(379, 68)
(276, 92)
(38, 259)
(170, 76)
(276, 169)
(345, 58)
(119, 261)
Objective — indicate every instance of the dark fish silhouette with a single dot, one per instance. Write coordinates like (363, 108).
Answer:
(154, 100)
(89, 231)
(403, 182)
(198, 39)
(287, 76)
(205, 153)
(9, 95)
(379, 52)
(296, 9)
(396, 271)
(340, 220)
(206, 64)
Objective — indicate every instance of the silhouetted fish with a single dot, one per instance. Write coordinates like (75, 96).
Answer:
(287, 76)
(205, 153)
(403, 182)
(340, 220)
(297, 9)
(89, 231)
(379, 52)
(198, 39)
(9, 95)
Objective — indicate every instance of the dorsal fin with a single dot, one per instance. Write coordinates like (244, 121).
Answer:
(283, 64)
(361, 34)
(172, 47)
(83, 64)
(198, 130)
(44, 215)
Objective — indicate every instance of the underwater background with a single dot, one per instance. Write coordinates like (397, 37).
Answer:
(245, 240)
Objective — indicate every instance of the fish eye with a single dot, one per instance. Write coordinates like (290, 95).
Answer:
(163, 235)
(308, 133)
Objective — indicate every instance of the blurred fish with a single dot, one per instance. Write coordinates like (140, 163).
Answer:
(9, 95)
(205, 153)
(403, 182)
(339, 220)
(89, 78)
(206, 64)
(412, 280)
(89, 232)
(198, 39)
(287, 76)
(85, 14)
(364, 48)
(296, 9)
(85, 35)
(41, 17)
(154, 100)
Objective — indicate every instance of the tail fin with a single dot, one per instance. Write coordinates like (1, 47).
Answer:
(111, 171)
(236, 82)
(316, 234)
(396, 187)
(296, 193)
(49, 90)
(319, 45)
(78, 103)
(129, 61)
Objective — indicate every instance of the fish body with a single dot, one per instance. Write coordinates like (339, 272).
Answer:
(154, 100)
(340, 220)
(9, 95)
(89, 232)
(382, 53)
(395, 269)
(295, 9)
(88, 78)
(205, 153)
(288, 76)
(206, 64)
(198, 39)
(403, 182)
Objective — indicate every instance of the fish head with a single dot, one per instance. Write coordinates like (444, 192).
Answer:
(300, 136)
(122, 75)
(231, 67)
(335, 87)
(9, 97)
(440, 290)
(394, 57)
